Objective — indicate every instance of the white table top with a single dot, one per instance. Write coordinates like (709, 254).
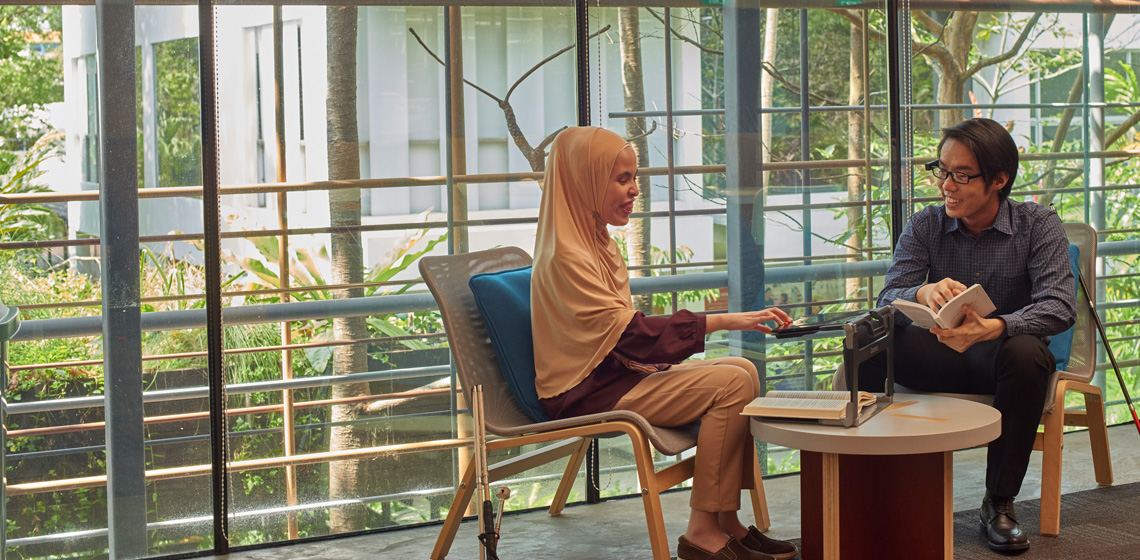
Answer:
(913, 424)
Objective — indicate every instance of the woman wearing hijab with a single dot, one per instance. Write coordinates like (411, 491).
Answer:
(594, 353)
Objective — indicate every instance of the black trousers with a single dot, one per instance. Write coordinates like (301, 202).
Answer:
(1014, 370)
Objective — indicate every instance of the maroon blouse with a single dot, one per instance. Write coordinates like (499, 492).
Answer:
(648, 344)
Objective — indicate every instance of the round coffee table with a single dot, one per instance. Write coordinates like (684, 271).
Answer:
(883, 489)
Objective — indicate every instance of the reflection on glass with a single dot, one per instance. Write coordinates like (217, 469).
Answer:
(304, 105)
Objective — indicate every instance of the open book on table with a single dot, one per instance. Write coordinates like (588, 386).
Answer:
(828, 407)
(951, 314)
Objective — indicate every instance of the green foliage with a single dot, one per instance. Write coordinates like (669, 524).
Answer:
(305, 268)
(29, 222)
(1121, 86)
(659, 257)
(26, 285)
(31, 70)
(178, 113)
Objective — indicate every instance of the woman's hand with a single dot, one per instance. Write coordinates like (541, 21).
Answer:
(746, 321)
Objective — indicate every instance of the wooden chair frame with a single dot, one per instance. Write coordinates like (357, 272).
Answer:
(476, 364)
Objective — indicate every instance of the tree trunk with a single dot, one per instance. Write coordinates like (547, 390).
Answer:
(959, 40)
(856, 179)
(638, 244)
(346, 478)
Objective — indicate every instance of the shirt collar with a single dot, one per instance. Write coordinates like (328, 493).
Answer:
(1002, 223)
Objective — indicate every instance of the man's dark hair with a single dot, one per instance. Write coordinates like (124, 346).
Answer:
(991, 145)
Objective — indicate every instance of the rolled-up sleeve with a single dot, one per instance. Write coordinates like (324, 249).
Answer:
(663, 339)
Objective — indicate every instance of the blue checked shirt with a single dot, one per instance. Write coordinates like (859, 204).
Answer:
(1022, 261)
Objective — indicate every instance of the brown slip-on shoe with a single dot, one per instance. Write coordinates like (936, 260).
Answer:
(732, 550)
(755, 540)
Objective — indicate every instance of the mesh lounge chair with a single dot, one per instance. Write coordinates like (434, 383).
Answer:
(476, 364)
(1076, 377)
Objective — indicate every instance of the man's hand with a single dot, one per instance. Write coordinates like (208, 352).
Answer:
(937, 294)
(974, 329)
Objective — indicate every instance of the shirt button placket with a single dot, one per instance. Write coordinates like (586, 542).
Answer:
(977, 258)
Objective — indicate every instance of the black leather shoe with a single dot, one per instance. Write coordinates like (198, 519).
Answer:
(1000, 522)
(755, 540)
(732, 550)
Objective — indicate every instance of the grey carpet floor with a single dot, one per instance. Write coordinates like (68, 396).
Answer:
(1100, 524)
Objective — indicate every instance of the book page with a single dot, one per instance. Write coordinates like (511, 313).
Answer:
(796, 408)
(920, 314)
(951, 314)
(833, 395)
(806, 404)
(864, 396)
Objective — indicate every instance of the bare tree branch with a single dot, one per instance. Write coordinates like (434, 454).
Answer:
(928, 22)
(652, 128)
(937, 41)
(440, 61)
(541, 147)
(1075, 92)
(794, 88)
(684, 38)
(1122, 129)
(534, 68)
(1008, 54)
(535, 156)
(698, 23)
(1109, 140)
(938, 51)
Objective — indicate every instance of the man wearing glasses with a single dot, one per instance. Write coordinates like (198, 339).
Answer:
(1019, 253)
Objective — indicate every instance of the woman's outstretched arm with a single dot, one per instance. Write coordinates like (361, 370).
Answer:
(746, 321)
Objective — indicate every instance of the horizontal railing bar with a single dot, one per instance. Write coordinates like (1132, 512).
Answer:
(98, 481)
(239, 351)
(233, 294)
(38, 329)
(166, 395)
(205, 414)
(835, 108)
(12, 457)
(170, 192)
(1031, 6)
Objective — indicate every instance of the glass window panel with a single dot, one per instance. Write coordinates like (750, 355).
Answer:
(375, 389)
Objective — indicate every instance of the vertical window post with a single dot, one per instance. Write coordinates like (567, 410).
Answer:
(119, 246)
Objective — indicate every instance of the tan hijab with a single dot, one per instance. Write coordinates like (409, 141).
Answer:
(579, 291)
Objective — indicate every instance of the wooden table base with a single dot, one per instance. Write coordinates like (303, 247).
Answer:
(889, 506)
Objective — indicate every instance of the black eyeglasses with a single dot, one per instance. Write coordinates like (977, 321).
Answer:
(958, 176)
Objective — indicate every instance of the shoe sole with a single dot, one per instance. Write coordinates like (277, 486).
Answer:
(1002, 547)
(1008, 547)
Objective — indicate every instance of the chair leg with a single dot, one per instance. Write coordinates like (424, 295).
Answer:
(1051, 464)
(1098, 436)
(759, 500)
(650, 497)
(455, 514)
(568, 476)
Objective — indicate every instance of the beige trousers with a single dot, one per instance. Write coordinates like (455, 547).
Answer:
(714, 392)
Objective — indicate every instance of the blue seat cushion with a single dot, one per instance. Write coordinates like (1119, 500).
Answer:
(503, 299)
(1061, 345)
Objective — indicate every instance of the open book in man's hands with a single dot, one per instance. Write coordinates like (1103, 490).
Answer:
(809, 405)
(951, 314)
